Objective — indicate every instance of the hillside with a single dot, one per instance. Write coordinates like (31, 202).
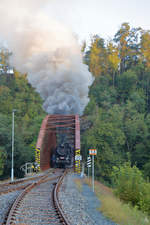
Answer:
(118, 113)
(17, 93)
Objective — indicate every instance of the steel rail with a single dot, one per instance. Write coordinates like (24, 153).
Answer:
(15, 205)
(14, 189)
(17, 181)
(56, 201)
(11, 185)
(10, 217)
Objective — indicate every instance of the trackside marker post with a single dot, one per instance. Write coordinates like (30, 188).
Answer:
(37, 159)
(78, 159)
(88, 164)
(92, 152)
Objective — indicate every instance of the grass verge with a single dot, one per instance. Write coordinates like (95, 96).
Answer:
(116, 210)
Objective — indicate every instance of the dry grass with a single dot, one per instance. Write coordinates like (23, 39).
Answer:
(114, 209)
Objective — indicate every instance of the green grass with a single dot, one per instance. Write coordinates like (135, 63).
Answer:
(116, 210)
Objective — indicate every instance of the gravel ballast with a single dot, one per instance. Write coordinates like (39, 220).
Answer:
(80, 207)
(6, 200)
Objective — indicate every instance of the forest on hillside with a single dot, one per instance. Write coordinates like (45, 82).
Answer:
(17, 93)
(116, 120)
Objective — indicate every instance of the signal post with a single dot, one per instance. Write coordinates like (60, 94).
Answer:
(92, 152)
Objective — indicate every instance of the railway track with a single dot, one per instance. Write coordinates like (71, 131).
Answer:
(18, 184)
(38, 203)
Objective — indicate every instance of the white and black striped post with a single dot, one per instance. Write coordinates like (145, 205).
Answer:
(93, 152)
(88, 164)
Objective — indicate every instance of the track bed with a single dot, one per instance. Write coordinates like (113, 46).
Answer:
(38, 204)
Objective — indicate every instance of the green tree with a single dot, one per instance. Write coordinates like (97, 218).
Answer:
(126, 84)
(16, 92)
(127, 40)
(108, 139)
(145, 48)
(2, 159)
(113, 60)
(96, 56)
(117, 118)
(131, 186)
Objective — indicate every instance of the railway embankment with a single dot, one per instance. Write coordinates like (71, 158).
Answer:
(118, 211)
(82, 206)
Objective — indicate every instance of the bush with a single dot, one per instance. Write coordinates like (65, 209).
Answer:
(131, 187)
(144, 203)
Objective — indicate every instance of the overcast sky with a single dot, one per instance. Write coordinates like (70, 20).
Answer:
(103, 17)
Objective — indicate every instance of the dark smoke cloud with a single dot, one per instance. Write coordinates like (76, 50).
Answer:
(49, 53)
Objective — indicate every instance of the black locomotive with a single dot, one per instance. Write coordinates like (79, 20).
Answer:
(62, 156)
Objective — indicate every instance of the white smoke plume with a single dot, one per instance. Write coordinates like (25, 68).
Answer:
(49, 53)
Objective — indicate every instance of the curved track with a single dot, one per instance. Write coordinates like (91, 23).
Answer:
(38, 203)
(19, 184)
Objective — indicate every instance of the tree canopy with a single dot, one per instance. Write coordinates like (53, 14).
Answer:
(118, 113)
(17, 93)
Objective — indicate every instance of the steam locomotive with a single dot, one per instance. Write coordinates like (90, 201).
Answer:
(62, 156)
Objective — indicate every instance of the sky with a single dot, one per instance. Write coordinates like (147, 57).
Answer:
(102, 17)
